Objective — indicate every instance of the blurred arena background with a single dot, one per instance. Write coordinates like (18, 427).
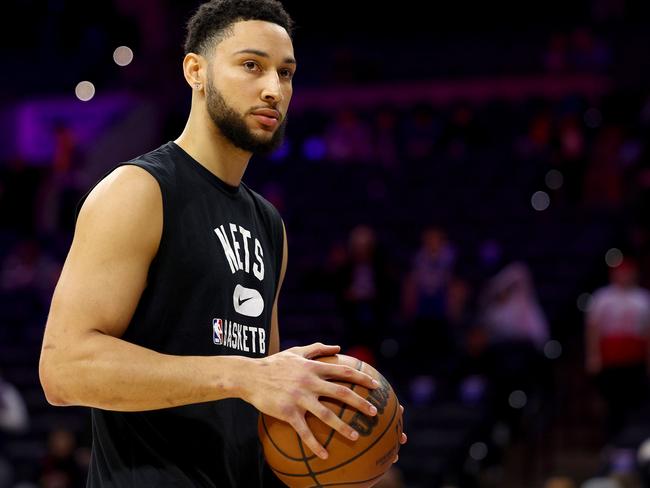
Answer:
(459, 179)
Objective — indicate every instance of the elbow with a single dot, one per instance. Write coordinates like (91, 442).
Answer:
(51, 382)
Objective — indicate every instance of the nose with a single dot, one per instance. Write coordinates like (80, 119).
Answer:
(272, 92)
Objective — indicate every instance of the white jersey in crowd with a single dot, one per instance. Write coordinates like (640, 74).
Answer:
(615, 310)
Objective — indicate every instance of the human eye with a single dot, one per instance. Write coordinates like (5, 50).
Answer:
(286, 73)
(251, 66)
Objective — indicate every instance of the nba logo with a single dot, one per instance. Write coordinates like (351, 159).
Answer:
(217, 331)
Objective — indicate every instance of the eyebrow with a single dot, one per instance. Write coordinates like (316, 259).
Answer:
(257, 52)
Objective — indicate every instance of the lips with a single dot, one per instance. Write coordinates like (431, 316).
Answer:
(267, 112)
(267, 117)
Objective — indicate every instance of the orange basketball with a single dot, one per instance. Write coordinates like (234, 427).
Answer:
(357, 463)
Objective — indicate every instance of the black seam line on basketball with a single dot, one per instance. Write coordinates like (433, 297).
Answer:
(379, 437)
(329, 436)
(306, 461)
(348, 483)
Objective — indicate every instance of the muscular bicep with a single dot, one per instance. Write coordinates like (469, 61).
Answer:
(117, 235)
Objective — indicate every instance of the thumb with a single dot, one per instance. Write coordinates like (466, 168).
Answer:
(318, 349)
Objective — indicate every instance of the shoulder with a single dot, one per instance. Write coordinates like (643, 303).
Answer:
(598, 297)
(126, 205)
(602, 293)
(128, 184)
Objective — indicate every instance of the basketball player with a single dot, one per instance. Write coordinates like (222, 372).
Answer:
(164, 320)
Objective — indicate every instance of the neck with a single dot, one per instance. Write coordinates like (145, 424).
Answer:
(205, 143)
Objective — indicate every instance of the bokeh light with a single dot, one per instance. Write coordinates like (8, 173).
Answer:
(517, 399)
(540, 200)
(554, 179)
(553, 349)
(478, 451)
(314, 148)
(123, 56)
(85, 91)
(614, 257)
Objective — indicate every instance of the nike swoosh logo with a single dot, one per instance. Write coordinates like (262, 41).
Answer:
(247, 301)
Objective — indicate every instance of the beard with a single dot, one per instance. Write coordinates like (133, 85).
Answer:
(234, 128)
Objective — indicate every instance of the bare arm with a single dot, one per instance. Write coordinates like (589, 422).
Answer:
(84, 361)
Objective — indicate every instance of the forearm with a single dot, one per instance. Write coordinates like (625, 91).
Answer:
(110, 373)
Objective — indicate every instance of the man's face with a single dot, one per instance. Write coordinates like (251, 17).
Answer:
(249, 85)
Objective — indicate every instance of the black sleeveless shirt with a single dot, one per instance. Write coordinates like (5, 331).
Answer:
(210, 291)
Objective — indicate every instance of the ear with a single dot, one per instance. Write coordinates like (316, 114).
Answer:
(194, 70)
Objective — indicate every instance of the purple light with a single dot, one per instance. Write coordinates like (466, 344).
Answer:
(314, 148)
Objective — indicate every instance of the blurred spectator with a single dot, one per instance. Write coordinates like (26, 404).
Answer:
(588, 53)
(604, 178)
(557, 53)
(537, 140)
(515, 331)
(571, 155)
(348, 138)
(64, 465)
(27, 278)
(509, 310)
(421, 134)
(617, 346)
(425, 301)
(581, 51)
(425, 287)
(363, 283)
(13, 420)
(385, 138)
(62, 188)
(29, 267)
(462, 133)
(458, 301)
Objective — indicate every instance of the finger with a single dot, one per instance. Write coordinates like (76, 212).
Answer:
(330, 418)
(348, 374)
(396, 458)
(319, 349)
(404, 439)
(307, 437)
(346, 395)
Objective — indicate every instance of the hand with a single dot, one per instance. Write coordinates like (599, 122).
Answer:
(288, 384)
(404, 437)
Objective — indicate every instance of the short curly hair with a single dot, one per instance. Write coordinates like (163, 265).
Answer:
(210, 23)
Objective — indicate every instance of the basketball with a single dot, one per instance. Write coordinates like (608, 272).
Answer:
(357, 463)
